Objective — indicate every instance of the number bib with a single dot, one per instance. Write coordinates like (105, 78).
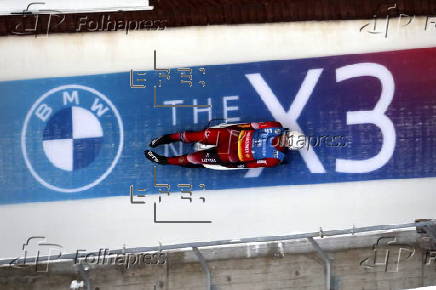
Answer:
(258, 144)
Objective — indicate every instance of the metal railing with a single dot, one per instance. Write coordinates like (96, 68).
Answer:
(320, 233)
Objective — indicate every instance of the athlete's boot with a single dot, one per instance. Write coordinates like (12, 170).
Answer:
(156, 158)
(165, 139)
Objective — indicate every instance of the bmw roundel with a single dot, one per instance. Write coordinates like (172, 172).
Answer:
(72, 138)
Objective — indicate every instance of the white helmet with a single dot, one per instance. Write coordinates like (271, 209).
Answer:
(295, 140)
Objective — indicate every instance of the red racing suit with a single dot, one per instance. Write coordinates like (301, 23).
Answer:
(234, 146)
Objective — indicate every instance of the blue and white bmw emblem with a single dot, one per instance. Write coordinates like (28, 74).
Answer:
(72, 138)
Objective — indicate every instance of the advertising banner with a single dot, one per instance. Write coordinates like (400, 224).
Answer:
(366, 116)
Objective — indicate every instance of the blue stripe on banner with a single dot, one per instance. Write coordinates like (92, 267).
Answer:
(369, 118)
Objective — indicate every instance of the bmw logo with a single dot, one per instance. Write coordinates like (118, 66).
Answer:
(72, 138)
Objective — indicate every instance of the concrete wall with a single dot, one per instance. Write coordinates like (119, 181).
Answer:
(276, 265)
